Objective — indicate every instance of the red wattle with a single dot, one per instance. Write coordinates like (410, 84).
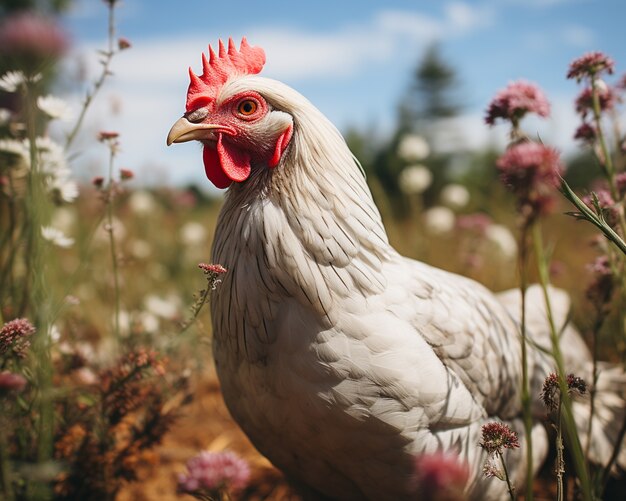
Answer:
(281, 146)
(225, 163)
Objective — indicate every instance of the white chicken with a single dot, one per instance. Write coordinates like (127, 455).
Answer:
(339, 358)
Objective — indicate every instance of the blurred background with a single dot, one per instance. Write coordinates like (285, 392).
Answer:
(407, 83)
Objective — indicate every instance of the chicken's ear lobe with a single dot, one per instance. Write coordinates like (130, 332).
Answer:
(281, 145)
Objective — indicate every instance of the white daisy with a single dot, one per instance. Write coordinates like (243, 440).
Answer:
(415, 179)
(413, 148)
(12, 80)
(54, 107)
(56, 237)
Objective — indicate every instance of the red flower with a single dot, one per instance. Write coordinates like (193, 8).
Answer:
(590, 64)
(517, 99)
(104, 135)
(11, 382)
(498, 436)
(123, 43)
(550, 392)
(439, 475)
(98, 181)
(126, 174)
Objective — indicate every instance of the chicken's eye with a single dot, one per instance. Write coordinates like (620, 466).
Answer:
(247, 107)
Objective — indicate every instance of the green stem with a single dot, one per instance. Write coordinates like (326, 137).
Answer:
(560, 460)
(106, 71)
(112, 247)
(526, 400)
(510, 487)
(568, 417)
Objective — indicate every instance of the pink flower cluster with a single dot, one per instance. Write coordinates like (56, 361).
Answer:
(11, 382)
(29, 40)
(498, 436)
(584, 101)
(590, 65)
(210, 472)
(550, 392)
(439, 475)
(14, 336)
(532, 171)
(517, 99)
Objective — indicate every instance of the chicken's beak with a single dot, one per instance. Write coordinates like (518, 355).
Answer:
(184, 130)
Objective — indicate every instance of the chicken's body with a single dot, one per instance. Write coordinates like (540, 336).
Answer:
(341, 359)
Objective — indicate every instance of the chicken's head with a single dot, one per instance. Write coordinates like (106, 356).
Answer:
(239, 128)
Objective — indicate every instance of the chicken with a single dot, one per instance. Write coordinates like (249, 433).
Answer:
(341, 359)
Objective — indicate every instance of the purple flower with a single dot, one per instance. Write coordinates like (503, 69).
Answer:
(14, 336)
(550, 392)
(600, 289)
(11, 382)
(586, 133)
(517, 99)
(590, 64)
(498, 436)
(531, 171)
(478, 222)
(211, 472)
(30, 40)
(439, 475)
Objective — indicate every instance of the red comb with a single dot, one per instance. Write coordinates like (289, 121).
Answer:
(219, 68)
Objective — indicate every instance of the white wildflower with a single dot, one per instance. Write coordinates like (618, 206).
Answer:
(56, 237)
(54, 107)
(415, 179)
(439, 220)
(413, 148)
(5, 116)
(11, 81)
(67, 189)
(15, 147)
(149, 322)
(455, 196)
(54, 333)
(167, 307)
(142, 202)
(193, 233)
(503, 238)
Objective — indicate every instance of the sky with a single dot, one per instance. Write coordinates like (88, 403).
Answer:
(353, 59)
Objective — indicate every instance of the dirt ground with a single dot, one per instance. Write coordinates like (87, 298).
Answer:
(207, 425)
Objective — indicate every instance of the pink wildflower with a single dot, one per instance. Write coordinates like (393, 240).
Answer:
(107, 135)
(10, 382)
(498, 436)
(517, 99)
(478, 222)
(126, 174)
(531, 171)
(123, 43)
(586, 133)
(212, 272)
(209, 473)
(590, 64)
(14, 334)
(550, 392)
(439, 475)
(29, 40)
(584, 101)
(600, 289)
(620, 182)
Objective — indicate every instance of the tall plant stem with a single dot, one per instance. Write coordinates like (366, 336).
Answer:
(526, 400)
(112, 246)
(107, 57)
(567, 415)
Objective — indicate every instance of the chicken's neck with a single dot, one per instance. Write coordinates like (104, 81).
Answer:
(309, 227)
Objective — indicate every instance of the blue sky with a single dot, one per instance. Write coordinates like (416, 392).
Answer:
(353, 59)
